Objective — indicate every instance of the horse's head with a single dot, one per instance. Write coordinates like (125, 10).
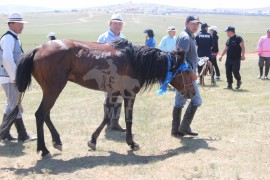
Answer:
(182, 80)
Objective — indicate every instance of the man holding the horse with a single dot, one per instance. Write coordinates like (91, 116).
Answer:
(10, 53)
(113, 109)
(186, 41)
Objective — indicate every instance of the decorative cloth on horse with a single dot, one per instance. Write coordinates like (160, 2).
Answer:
(170, 76)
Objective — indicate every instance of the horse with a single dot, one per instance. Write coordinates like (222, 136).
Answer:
(118, 68)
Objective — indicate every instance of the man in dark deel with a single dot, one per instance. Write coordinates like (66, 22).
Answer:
(204, 42)
(235, 50)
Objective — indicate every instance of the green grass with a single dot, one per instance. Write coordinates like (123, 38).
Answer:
(233, 126)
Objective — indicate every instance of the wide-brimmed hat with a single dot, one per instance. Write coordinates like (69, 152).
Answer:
(171, 28)
(116, 18)
(51, 34)
(16, 17)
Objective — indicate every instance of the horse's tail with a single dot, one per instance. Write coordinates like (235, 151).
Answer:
(24, 71)
(23, 80)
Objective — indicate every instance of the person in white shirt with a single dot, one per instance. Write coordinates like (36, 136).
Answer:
(10, 52)
(168, 43)
(114, 32)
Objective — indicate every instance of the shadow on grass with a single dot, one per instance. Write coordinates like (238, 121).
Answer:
(58, 166)
(237, 90)
(115, 135)
(11, 149)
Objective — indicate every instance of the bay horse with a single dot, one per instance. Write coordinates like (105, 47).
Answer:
(119, 68)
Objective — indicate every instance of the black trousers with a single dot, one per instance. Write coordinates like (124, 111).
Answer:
(214, 62)
(233, 67)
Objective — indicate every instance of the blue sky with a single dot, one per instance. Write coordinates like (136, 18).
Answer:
(205, 4)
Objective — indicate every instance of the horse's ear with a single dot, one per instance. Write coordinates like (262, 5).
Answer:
(181, 53)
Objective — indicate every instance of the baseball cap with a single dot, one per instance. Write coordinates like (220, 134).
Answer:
(171, 28)
(193, 19)
(204, 25)
(268, 30)
(16, 17)
(214, 28)
(116, 18)
(51, 34)
(230, 28)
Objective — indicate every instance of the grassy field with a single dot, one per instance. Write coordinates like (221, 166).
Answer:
(233, 126)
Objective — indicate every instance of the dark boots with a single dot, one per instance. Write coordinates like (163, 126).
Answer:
(188, 117)
(7, 136)
(22, 134)
(176, 121)
(114, 111)
(238, 85)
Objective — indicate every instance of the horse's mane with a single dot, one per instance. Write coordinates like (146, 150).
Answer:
(150, 64)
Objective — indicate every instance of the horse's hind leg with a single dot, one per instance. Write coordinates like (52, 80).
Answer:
(57, 144)
(42, 115)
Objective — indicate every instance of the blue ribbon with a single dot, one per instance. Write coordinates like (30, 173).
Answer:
(170, 76)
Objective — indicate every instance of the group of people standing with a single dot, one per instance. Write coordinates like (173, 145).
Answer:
(201, 44)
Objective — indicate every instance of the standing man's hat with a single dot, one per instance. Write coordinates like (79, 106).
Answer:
(230, 28)
(204, 25)
(193, 19)
(214, 28)
(16, 17)
(51, 34)
(116, 18)
(171, 28)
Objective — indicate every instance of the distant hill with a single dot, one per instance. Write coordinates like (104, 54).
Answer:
(6, 9)
(140, 8)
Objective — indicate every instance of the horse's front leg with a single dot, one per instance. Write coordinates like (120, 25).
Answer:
(108, 111)
(129, 102)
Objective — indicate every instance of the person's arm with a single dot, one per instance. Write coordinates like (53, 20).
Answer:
(242, 44)
(161, 45)
(7, 45)
(183, 43)
(259, 47)
(223, 53)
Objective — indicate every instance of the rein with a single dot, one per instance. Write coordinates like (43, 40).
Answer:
(170, 75)
(204, 73)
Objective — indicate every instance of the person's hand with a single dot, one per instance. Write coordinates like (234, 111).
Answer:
(193, 76)
(243, 58)
(220, 58)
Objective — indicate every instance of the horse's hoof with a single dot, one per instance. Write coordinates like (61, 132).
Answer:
(135, 147)
(47, 156)
(58, 147)
(92, 145)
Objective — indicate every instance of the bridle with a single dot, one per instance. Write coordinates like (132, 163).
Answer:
(170, 75)
(184, 91)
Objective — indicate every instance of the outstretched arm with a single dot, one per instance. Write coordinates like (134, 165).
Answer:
(223, 53)
(243, 51)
